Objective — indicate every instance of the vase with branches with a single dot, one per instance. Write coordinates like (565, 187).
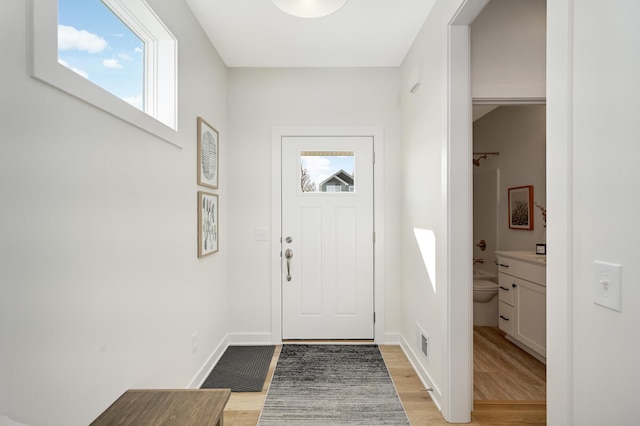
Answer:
(543, 211)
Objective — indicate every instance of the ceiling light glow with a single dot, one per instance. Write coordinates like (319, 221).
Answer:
(309, 8)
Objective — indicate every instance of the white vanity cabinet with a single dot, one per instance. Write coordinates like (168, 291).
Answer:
(506, 298)
(522, 300)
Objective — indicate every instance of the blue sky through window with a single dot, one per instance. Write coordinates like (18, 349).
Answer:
(96, 44)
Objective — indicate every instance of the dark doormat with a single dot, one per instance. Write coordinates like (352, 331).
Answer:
(241, 369)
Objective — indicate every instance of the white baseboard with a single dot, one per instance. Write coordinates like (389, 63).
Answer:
(213, 359)
(392, 339)
(423, 374)
(247, 339)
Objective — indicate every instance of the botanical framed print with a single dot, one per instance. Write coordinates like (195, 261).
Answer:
(208, 223)
(208, 154)
(521, 207)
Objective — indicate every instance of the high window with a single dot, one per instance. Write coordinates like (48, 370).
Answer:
(114, 54)
(96, 44)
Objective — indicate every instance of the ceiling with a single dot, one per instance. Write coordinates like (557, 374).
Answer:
(364, 33)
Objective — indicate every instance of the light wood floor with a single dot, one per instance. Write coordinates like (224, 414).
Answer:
(503, 371)
(243, 409)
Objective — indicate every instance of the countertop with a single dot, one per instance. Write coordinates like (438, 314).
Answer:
(526, 256)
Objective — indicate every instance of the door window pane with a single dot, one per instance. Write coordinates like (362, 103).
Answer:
(327, 171)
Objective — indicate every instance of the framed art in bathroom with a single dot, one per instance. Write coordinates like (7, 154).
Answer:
(208, 223)
(208, 154)
(521, 207)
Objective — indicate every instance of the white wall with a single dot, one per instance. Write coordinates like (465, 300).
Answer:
(101, 288)
(604, 148)
(508, 50)
(260, 99)
(424, 202)
(592, 354)
(519, 134)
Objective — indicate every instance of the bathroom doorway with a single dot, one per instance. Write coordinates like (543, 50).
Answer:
(509, 145)
(508, 87)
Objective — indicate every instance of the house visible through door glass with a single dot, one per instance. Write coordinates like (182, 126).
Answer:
(322, 171)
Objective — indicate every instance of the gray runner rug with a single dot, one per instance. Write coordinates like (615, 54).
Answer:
(332, 385)
(241, 369)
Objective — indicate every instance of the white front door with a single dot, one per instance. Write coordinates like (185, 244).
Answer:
(327, 238)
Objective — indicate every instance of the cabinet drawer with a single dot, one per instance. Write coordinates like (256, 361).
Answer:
(506, 318)
(505, 265)
(506, 289)
(530, 272)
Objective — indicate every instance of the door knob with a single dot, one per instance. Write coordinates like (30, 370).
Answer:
(288, 255)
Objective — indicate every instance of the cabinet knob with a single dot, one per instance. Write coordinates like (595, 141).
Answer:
(513, 285)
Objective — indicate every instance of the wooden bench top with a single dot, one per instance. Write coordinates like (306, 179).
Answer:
(155, 407)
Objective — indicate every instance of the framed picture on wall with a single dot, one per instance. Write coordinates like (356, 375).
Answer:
(208, 223)
(521, 207)
(208, 154)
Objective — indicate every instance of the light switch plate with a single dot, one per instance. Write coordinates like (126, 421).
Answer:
(607, 285)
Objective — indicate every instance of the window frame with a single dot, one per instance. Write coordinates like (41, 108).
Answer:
(160, 117)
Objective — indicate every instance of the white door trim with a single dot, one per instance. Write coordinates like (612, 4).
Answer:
(277, 133)
(560, 200)
(458, 392)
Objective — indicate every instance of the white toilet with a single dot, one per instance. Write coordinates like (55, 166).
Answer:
(485, 303)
